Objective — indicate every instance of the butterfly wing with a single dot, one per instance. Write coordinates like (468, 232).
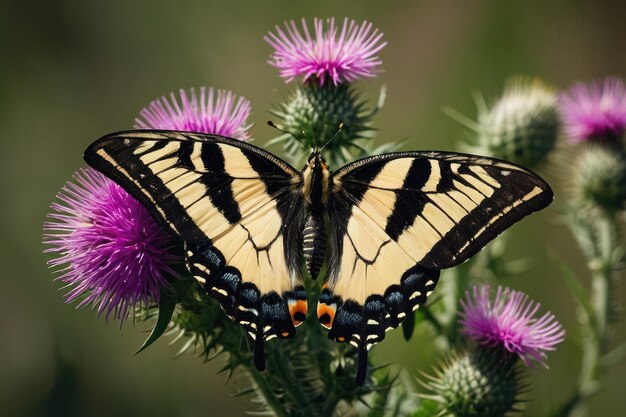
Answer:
(397, 219)
(235, 207)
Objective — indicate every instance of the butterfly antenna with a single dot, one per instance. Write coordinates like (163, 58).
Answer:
(280, 129)
(334, 136)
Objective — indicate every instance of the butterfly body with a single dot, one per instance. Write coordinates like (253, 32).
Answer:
(315, 191)
(384, 225)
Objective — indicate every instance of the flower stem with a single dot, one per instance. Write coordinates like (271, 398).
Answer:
(262, 387)
(457, 281)
(597, 327)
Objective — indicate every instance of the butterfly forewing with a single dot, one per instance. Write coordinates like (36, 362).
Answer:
(237, 209)
(397, 219)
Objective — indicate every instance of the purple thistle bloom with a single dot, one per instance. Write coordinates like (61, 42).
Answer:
(595, 111)
(223, 115)
(344, 55)
(112, 253)
(509, 322)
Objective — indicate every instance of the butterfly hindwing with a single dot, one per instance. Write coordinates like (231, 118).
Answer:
(233, 205)
(397, 219)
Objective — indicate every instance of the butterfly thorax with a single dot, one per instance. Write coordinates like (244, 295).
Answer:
(315, 189)
(315, 177)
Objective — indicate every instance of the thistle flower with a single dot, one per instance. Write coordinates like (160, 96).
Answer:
(599, 178)
(522, 126)
(509, 323)
(339, 55)
(223, 115)
(476, 384)
(595, 111)
(110, 250)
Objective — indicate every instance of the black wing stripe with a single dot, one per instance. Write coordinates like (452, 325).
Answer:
(160, 173)
(409, 205)
(490, 218)
(139, 180)
(445, 176)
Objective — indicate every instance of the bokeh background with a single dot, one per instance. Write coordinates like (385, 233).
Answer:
(71, 71)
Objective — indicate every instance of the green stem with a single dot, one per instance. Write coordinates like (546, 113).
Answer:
(263, 388)
(457, 280)
(291, 385)
(330, 404)
(596, 335)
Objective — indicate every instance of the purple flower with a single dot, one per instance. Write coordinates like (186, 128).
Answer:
(225, 115)
(509, 322)
(111, 252)
(341, 55)
(595, 111)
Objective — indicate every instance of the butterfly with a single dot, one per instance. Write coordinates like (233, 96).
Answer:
(384, 225)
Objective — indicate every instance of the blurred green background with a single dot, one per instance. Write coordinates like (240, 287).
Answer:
(72, 71)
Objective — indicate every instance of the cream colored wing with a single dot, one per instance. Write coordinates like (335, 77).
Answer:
(229, 201)
(397, 219)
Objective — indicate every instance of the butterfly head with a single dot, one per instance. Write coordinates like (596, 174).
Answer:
(316, 160)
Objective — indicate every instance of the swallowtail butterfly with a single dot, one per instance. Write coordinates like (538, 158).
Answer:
(386, 225)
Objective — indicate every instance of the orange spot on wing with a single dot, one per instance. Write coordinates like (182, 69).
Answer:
(297, 311)
(326, 315)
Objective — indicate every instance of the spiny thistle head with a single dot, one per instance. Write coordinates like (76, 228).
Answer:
(599, 178)
(508, 323)
(339, 55)
(475, 384)
(595, 112)
(110, 250)
(521, 127)
(313, 113)
(220, 114)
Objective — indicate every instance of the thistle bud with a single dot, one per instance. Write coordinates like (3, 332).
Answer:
(313, 114)
(481, 383)
(599, 177)
(521, 127)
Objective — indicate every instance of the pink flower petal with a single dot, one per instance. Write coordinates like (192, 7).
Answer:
(509, 321)
(341, 56)
(224, 114)
(594, 111)
(110, 251)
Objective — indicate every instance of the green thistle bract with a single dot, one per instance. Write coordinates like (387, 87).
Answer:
(312, 114)
(481, 383)
(522, 126)
(599, 178)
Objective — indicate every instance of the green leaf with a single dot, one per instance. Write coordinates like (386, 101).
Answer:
(166, 311)
(167, 304)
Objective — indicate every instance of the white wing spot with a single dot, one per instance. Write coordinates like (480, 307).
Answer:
(415, 295)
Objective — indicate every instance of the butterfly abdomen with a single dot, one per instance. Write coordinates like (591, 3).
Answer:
(314, 241)
(315, 189)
